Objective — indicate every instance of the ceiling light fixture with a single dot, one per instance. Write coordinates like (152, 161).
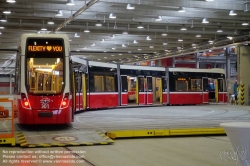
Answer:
(158, 18)
(112, 15)
(140, 26)
(70, 2)
(77, 35)
(87, 29)
(219, 30)
(50, 22)
(164, 44)
(230, 37)
(164, 34)
(198, 36)
(11, 1)
(124, 45)
(148, 38)
(43, 28)
(3, 19)
(205, 21)
(135, 42)
(209, 0)
(183, 28)
(245, 23)
(246, 9)
(7, 11)
(59, 13)
(180, 39)
(151, 46)
(130, 7)
(210, 41)
(232, 13)
(181, 10)
(98, 24)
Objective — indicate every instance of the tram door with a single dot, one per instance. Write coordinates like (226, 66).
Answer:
(72, 89)
(205, 90)
(77, 82)
(216, 90)
(149, 90)
(221, 93)
(140, 91)
(84, 95)
(124, 90)
(157, 90)
(164, 90)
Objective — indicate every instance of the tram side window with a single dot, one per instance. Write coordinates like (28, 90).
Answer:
(91, 82)
(110, 84)
(181, 84)
(102, 83)
(141, 84)
(164, 84)
(99, 83)
(196, 85)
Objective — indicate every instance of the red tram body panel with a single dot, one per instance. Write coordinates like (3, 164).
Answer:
(103, 100)
(186, 98)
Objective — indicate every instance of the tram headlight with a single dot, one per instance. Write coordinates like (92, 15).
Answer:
(65, 101)
(25, 101)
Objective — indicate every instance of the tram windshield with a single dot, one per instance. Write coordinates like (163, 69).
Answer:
(45, 64)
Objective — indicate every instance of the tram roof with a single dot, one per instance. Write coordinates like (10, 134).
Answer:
(27, 35)
(213, 70)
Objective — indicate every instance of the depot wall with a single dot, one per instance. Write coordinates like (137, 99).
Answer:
(168, 62)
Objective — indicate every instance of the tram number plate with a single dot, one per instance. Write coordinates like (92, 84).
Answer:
(45, 114)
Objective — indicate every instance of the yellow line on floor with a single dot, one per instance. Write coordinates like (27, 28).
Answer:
(164, 132)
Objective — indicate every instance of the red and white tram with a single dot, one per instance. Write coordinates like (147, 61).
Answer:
(105, 85)
(42, 80)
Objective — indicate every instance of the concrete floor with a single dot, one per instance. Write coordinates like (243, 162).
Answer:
(161, 117)
(170, 151)
(191, 151)
(178, 151)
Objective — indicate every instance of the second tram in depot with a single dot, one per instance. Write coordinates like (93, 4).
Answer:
(43, 90)
(50, 85)
(104, 85)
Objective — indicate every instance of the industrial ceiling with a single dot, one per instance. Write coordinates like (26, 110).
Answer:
(124, 31)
